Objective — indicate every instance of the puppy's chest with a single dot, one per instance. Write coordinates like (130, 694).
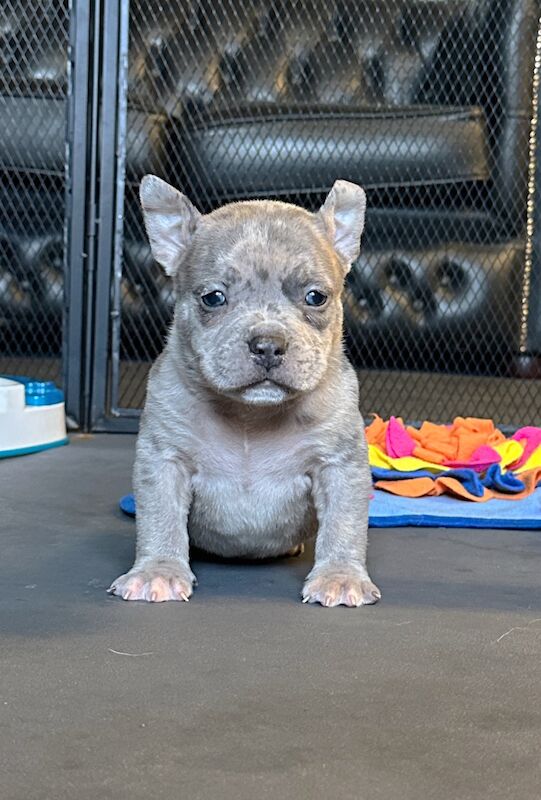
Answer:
(245, 478)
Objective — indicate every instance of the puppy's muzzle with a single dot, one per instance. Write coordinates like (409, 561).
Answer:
(269, 350)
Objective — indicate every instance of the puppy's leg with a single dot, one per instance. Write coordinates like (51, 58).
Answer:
(341, 494)
(161, 570)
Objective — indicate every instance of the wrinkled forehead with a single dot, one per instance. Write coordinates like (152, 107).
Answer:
(262, 241)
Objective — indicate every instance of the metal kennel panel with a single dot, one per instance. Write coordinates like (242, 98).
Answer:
(44, 78)
(34, 40)
(431, 106)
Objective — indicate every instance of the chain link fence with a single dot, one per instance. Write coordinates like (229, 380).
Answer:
(429, 104)
(33, 55)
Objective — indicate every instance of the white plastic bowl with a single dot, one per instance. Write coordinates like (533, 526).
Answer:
(32, 416)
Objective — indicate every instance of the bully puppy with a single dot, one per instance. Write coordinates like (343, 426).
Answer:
(251, 440)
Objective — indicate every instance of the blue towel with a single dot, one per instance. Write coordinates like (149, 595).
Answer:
(391, 511)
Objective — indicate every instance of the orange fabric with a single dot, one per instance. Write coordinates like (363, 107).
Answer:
(409, 487)
(441, 443)
(456, 442)
(426, 487)
(423, 487)
(434, 442)
(455, 487)
(376, 431)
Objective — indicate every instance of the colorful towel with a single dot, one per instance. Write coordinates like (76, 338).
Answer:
(470, 459)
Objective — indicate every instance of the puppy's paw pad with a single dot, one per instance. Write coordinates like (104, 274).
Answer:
(154, 586)
(334, 588)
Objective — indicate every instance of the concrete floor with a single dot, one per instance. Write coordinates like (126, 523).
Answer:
(246, 693)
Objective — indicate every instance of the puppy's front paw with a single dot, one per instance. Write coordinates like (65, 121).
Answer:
(336, 585)
(155, 582)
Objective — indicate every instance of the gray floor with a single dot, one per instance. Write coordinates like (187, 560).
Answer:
(245, 693)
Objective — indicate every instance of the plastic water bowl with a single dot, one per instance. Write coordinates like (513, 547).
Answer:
(32, 416)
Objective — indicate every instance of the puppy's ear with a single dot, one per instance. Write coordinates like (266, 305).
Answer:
(342, 215)
(170, 222)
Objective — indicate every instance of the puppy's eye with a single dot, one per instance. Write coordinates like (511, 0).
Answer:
(315, 298)
(214, 299)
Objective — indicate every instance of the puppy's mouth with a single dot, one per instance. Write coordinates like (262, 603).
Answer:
(264, 392)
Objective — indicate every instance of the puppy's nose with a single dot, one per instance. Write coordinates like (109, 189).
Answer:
(268, 350)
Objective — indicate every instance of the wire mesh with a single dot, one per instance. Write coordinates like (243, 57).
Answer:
(426, 104)
(33, 54)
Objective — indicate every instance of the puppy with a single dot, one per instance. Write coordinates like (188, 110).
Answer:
(251, 440)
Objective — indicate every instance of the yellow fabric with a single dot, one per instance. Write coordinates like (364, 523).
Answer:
(378, 458)
(509, 451)
(533, 462)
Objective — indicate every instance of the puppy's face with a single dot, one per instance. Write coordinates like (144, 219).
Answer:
(259, 286)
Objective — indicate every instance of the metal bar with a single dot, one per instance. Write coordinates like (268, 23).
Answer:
(106, 208)
(75, 254)
(92, 216)
(122, 124)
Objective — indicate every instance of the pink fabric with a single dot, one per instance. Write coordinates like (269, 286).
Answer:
(481, 459)
(532, 437)
(398, 442)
